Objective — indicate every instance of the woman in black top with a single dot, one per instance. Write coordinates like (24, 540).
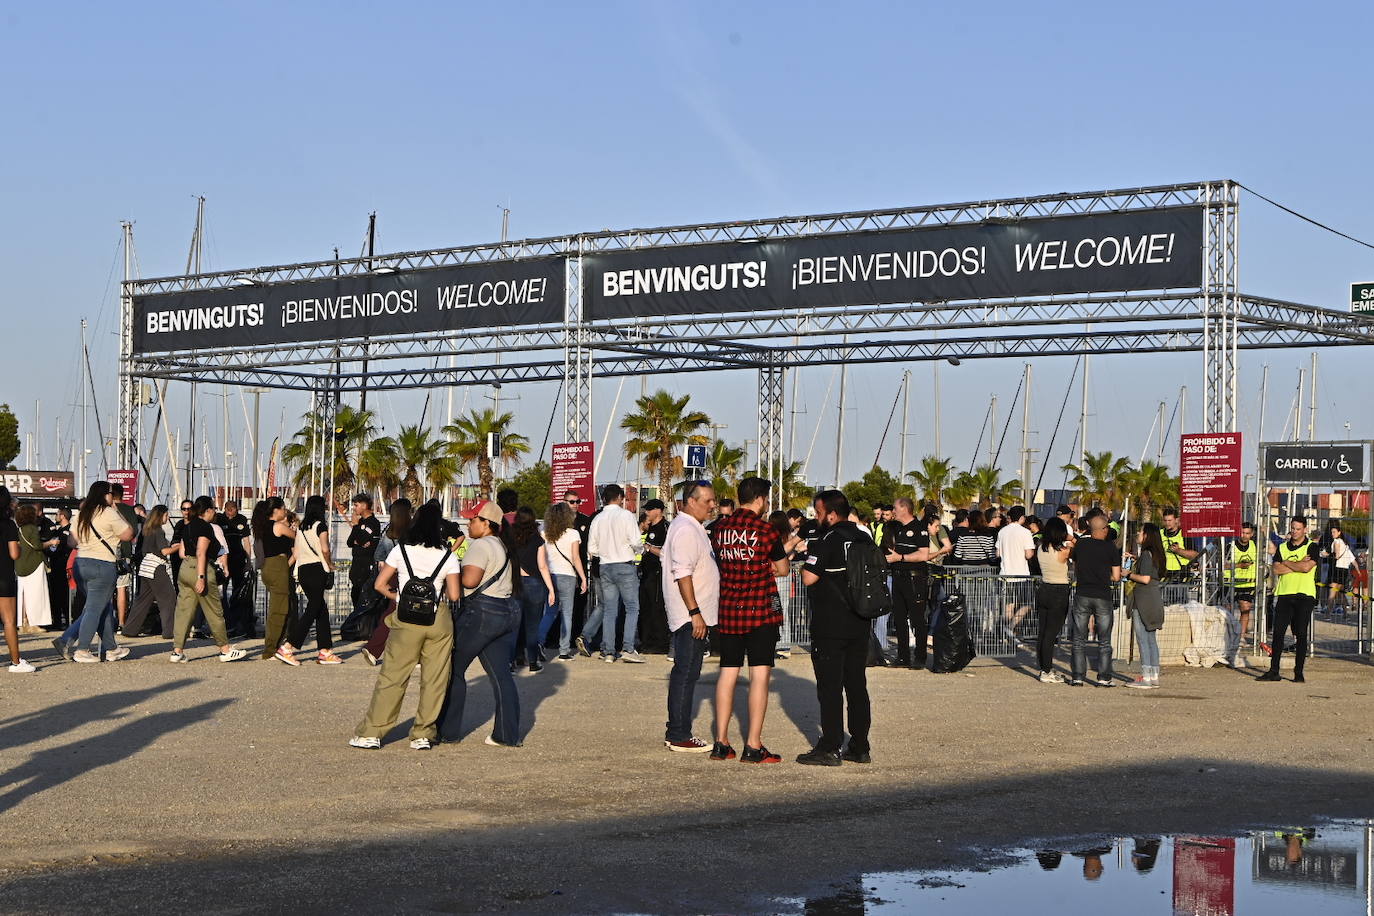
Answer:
(9, 582)
(536, 587)
(199, 581)
(276, 537)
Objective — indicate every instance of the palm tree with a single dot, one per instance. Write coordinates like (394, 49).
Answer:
(961, 491)
(468, 438)
(659, 429)
(723, 464)
(989, 488)
(933, 478)
(377, 470)
(1101, 479)
(1151, 486)
(418, 457)
(312, 445)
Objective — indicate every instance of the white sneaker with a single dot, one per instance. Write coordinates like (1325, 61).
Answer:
(178, 658)
(1139, 683)
(1050, 677)
(784, 653)
(84, 657)
(632, 657)
(609, 659)
(372, 660)
(117, 654)
(367, 744)
(420, 744)
(232, 655)
(22, 667)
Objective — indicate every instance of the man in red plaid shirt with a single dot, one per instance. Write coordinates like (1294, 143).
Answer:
(751, 555)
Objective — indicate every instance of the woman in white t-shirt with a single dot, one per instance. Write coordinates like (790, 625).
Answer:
(561, 543)
(422, 551)
(1342, 562)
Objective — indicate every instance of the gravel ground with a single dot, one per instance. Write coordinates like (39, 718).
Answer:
(153, 787)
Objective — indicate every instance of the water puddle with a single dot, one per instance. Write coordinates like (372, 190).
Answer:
(1318, 871)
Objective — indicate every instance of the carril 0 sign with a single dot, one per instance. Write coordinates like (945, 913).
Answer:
(1362, 298)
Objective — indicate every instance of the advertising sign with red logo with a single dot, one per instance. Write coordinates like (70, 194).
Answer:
(128, 480)
(1210, 484)
(39, 484)
(573, 469)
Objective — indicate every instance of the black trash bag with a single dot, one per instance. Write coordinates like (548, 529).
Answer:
(358, 626)
(953, 647)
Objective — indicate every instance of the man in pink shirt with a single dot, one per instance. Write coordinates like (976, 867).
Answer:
(691, 592)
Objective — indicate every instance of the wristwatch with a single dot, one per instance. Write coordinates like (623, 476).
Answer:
(694, 612)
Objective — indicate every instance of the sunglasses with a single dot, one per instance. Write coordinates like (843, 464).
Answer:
(574, 502)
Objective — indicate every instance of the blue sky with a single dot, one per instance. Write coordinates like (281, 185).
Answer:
(295, 120)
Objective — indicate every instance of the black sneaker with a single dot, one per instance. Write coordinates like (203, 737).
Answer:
(1269, 676)
(759, 755)
(565, 656)
(1076, 682)
(536, 666)
(852, 756)
(722, 751)
(1299, 679)
(819, 758)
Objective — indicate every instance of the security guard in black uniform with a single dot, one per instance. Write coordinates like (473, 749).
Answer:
(906, 544)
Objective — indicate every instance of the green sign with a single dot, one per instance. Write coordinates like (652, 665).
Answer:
(1362, 298)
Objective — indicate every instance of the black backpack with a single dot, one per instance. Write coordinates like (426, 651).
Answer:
(866, 579)
(418, 602)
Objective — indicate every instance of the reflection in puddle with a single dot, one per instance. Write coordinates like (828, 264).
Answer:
(1315, 871)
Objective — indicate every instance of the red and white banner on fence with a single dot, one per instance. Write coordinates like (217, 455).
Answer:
(1210, 484)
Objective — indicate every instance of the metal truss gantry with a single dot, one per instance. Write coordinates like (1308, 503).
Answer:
(1214, 319)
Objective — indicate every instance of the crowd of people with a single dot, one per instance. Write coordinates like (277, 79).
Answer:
(429, 593)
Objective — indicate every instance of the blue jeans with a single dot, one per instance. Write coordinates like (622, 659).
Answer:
(1102, 610)
(596, 610)
(566, 589)
(1148, 642)
(682, 681)
(484, 629)
(98, 579)
(534, 600)
(619, 584)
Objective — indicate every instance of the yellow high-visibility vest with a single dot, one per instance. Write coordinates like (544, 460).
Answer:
(1296, 583)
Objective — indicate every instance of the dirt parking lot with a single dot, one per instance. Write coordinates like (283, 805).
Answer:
(150, 787)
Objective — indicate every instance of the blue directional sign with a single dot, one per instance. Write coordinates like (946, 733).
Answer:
(695, 459)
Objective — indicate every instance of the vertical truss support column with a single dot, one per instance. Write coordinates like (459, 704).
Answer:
(772, 378)
(577, 353)
(1221, 306)
(126, 444)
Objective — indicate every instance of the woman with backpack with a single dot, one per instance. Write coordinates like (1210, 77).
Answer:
(485, 627)
(421, 630)
(315, 573)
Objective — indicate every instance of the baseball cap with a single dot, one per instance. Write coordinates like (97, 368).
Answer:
(1063, 510)
(486, 509)
(653, 504)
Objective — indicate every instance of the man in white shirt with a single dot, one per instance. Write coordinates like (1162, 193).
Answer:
(614, 540)
(1016, 546)
(691, 592)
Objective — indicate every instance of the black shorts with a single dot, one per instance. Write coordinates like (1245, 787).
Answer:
(759, 645)
(9, 588)
(1340, 577)
(1245, 594)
